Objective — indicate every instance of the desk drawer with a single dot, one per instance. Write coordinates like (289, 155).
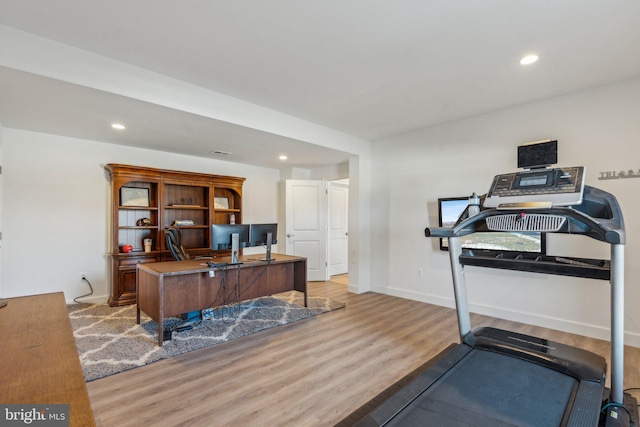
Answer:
(128, 262)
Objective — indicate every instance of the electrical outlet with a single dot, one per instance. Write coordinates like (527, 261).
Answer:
(83, 275)
(419, 272)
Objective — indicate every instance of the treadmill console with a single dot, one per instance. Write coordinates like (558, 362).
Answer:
(537, 188)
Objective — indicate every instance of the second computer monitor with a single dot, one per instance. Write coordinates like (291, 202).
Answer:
(259, 236)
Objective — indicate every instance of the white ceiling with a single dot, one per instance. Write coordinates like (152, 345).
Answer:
(366, 68)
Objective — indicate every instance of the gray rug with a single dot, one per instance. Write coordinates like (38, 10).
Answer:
(109, 340)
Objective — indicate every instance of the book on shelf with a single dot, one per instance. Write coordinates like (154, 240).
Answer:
(183, 222)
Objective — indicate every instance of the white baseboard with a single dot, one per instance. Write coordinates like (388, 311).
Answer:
(565, 325)
(354, 289)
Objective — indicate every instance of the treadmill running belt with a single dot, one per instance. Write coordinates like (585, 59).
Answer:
(492, 389)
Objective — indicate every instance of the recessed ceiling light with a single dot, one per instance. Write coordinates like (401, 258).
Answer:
(118, 126)
(282, 157)
(529, 59)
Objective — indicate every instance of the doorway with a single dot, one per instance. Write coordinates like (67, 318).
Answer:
(317, 225)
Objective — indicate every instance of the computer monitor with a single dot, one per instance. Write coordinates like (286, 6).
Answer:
(264, 235)
(230, 236)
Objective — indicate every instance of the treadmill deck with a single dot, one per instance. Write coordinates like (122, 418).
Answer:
(498, 383)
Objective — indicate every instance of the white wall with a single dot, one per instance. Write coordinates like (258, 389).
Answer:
(597, 128)
(55, 208)
(331, 173)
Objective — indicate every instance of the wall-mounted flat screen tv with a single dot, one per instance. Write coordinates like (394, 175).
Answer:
(450, 209)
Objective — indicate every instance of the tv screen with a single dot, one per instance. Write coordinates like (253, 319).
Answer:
(221, 235)
(450, 209)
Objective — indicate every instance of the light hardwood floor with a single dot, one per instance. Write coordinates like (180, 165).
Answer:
(310, 373)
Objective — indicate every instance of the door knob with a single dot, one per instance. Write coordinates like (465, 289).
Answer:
(290, 235)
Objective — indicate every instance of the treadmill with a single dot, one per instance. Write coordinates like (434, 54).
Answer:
(500, 378)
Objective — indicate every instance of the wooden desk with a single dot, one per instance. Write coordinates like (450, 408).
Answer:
(172, 288)
(39, 362)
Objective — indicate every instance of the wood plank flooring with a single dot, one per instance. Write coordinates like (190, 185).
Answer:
(313, 372)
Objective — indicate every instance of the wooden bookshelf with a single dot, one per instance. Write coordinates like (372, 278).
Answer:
(146, 201)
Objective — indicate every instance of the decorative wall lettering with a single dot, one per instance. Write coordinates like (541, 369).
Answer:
(631, 173)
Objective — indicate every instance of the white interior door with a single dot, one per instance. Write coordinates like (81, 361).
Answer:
(338, 228)
(306, 225)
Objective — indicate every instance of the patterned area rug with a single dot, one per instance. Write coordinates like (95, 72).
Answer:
(109, 340)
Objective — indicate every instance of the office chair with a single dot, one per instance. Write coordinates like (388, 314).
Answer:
(173, 238)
